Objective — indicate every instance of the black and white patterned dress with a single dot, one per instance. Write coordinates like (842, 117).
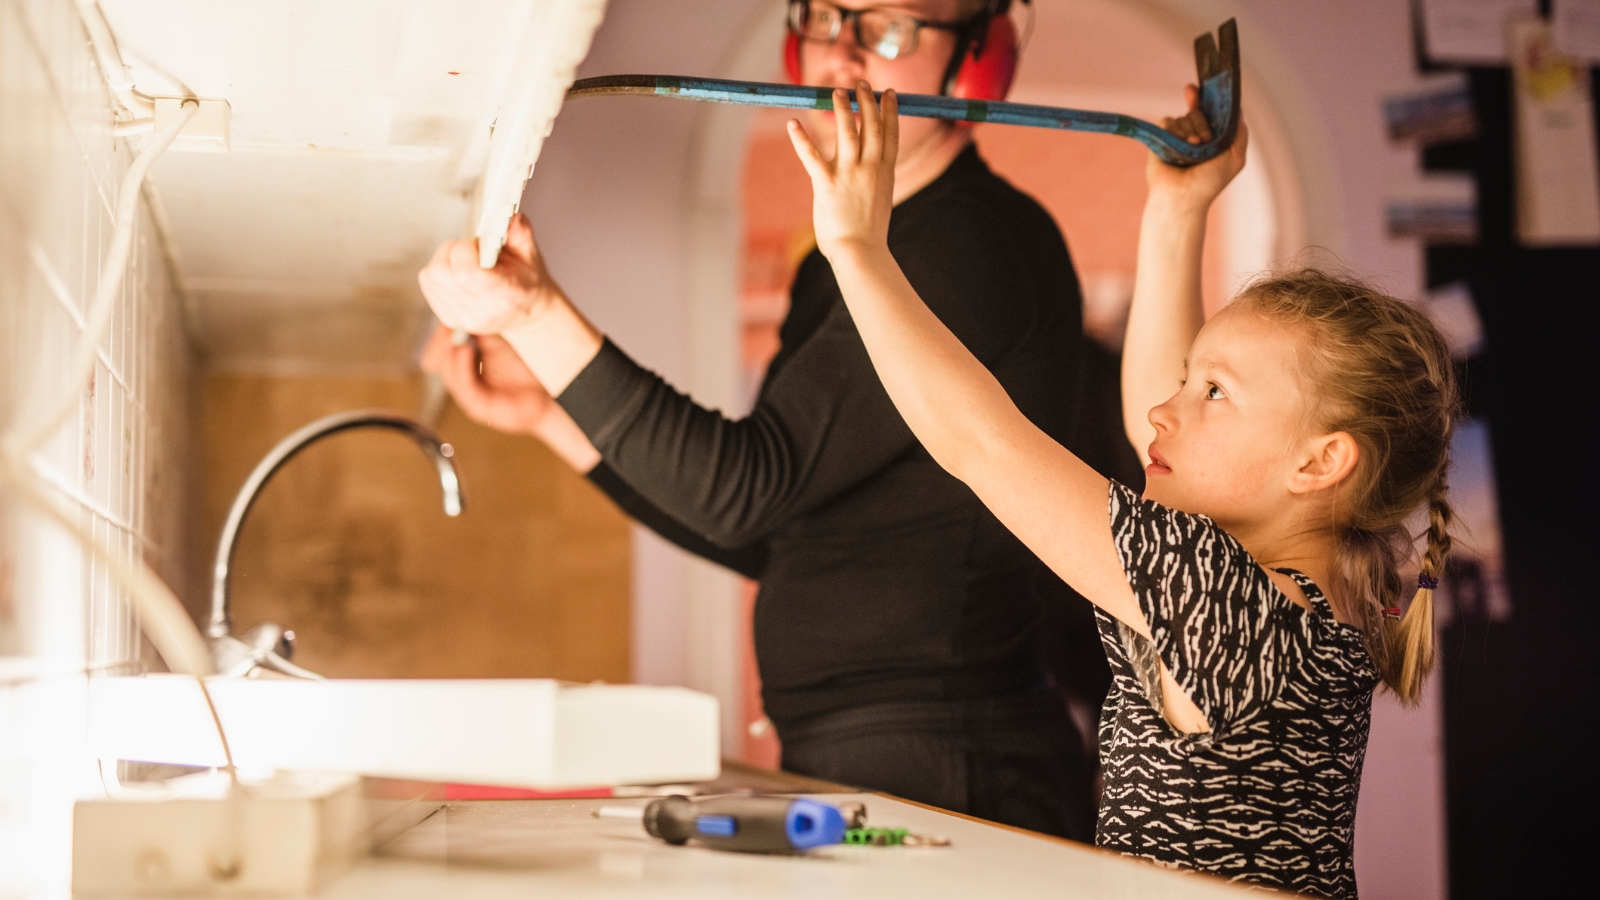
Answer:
(1268, 796)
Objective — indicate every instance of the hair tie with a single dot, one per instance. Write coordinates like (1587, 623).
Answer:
(1427, 582)
(1391, 612)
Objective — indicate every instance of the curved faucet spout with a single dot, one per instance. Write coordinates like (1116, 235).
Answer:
(220, 627)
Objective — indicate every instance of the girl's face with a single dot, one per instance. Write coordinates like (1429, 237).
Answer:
(1228, 443)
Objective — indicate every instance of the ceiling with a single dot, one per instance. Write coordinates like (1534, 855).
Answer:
(360, 138)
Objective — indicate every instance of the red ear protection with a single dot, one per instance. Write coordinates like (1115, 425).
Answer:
(791, 56)
(988, 74)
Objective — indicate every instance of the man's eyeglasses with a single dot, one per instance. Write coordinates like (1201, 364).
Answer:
(889, 33)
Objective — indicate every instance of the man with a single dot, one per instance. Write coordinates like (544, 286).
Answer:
(896, 622)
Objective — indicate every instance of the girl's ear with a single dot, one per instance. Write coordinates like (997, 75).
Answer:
(1324, 461)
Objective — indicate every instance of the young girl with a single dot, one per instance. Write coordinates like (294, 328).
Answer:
(1248, 602)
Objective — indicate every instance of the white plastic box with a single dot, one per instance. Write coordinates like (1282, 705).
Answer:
(532, 733)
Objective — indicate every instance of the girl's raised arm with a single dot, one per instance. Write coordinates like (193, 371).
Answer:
(1049, 498)
(1166, 313)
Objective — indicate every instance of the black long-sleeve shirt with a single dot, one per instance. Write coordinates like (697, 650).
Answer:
(882, 577)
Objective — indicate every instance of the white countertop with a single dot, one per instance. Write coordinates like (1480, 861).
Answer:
(556, 848)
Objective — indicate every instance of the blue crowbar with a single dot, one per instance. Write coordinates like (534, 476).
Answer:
(1216, 64)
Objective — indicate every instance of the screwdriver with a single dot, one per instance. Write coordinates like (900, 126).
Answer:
(745, 824)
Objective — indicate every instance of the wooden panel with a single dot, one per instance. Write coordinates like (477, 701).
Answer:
(349, 545)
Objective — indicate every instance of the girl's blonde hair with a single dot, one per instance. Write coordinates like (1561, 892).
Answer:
(1380, 372)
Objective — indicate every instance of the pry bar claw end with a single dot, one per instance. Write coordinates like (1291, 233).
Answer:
(1216, 65)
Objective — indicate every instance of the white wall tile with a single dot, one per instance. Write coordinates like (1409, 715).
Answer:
(60, 169)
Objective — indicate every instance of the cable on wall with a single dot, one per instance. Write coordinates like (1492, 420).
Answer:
(138, 106)
(25, 439)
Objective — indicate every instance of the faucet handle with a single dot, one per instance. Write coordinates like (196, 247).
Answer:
(276, 663)
(266, 646)
(270, 636)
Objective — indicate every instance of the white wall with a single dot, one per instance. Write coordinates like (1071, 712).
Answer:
(120, 464)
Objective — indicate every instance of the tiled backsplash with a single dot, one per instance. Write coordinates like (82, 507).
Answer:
(120, 464)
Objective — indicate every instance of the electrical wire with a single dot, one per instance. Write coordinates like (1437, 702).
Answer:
(161, 617)
(24, 439)
(105, 48)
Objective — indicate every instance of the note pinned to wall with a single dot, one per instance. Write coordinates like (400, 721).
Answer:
(1557, 167)
(1439, 208)
(1434, 109)
(1576, 27)
(1452, 310)
(1470, 32)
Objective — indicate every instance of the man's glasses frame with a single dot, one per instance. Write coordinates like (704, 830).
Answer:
(879, 25)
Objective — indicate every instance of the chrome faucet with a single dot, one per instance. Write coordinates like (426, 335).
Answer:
(269, 646)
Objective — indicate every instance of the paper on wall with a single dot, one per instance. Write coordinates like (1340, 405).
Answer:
(1471, 32)
(1435, 109)
(1451, 310)
(1439, 207)
(1576, 24)
(1557, 168)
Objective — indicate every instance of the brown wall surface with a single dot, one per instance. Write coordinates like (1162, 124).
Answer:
(349, 546)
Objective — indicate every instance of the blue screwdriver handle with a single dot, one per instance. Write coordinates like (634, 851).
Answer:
(751, 824)
(1217, 68)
